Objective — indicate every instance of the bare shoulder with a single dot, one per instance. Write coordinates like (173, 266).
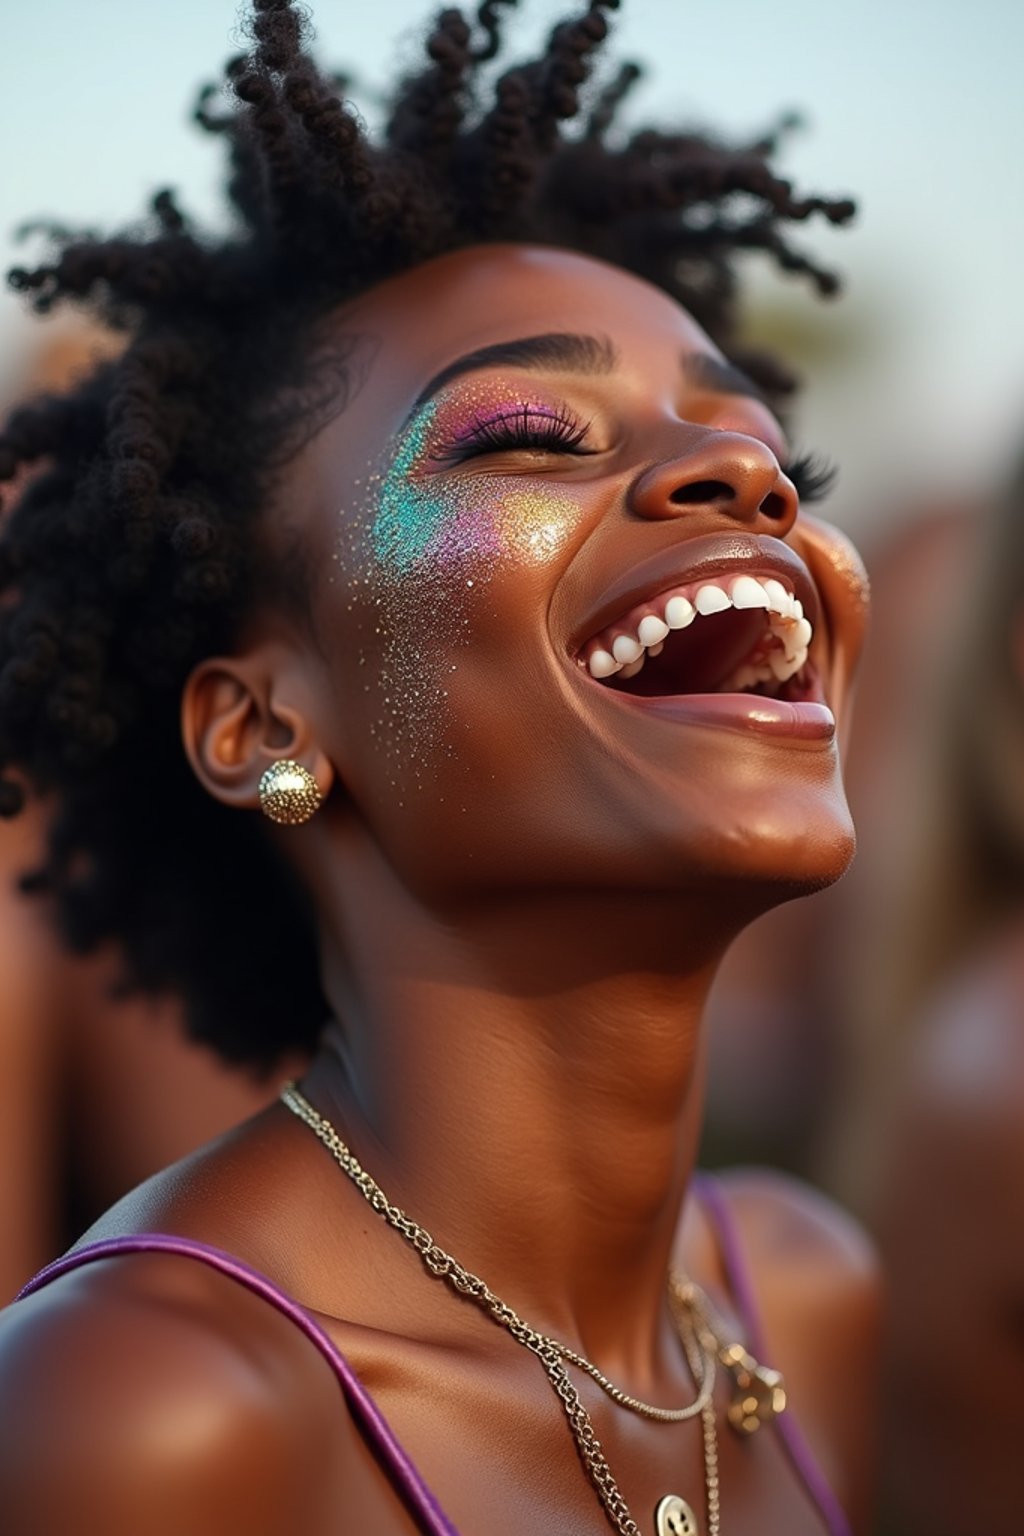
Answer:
(157, 1395)
(817, 1282)
(789, 1227)
(815, 1271)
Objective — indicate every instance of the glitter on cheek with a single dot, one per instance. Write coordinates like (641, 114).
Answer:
(536, 521)
(475, 526)
(410, 628)
(408, 513)
(435, 543)
(424, 524)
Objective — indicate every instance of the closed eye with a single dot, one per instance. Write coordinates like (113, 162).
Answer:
(523, 429)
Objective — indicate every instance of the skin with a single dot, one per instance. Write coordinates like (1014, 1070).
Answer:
(524, 885)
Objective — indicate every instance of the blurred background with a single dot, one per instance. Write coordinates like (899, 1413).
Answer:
(872, 1039)
(916, 378)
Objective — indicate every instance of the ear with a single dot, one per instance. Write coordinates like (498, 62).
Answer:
(844, 589)
(240, 714)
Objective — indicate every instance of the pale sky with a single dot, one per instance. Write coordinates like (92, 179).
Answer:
(916, 109)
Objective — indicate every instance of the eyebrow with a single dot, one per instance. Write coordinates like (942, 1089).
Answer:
(589, 356)
(562, 350)
(705, 371)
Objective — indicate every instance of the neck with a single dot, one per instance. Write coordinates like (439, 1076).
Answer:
(527, 1083)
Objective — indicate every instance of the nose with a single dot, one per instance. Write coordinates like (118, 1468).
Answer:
(723, 472)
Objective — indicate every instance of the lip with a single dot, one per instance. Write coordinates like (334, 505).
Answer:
(703, 558)
(698, 559)
(809, 720)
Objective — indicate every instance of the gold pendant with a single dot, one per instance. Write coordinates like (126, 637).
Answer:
(674, 1517)
(759, 1393)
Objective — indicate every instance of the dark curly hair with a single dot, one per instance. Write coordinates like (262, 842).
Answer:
(129, 554)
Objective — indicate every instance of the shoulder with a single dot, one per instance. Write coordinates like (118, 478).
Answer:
(156, 1394)
(952, 1140)
(966, 1063)
(817, 1284)
(814, 1270)
(792, 1230)
(949, 1205)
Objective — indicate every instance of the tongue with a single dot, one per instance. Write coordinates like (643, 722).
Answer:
(700, 658)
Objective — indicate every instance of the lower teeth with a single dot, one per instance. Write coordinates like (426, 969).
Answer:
(777, 665)
(777, 668)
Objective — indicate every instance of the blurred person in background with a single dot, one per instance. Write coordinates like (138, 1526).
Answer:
(98, 1090)
(931, 1146)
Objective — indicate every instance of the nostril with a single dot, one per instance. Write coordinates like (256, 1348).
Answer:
(774, 506)
(701, 492)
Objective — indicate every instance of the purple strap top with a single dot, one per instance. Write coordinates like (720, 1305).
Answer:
(801, 1457)
(371, 1423)
(404, 1477)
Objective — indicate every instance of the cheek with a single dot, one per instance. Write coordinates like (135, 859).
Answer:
(535, 523)
(437, 569)
(467, 531)
(457, 530)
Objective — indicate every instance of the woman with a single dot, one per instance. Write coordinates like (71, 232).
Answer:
(441, 531)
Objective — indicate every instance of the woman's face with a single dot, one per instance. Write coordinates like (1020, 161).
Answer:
(546, 471)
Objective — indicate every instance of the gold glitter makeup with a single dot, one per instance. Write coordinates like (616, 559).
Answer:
(438, 534)
(428, 518)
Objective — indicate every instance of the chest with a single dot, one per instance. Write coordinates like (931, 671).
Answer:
(497, 1451)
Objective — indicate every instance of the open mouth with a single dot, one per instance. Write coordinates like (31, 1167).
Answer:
(739, 634)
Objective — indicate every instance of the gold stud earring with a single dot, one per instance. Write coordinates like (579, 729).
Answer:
(288, 793)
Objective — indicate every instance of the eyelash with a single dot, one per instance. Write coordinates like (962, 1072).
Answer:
(813, 475)
(515, 431)
(521, 429)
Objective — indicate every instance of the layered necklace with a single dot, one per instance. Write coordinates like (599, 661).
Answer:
(758, 1393)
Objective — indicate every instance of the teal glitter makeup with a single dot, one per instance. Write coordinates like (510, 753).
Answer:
(428, 521)
(408, 516)
(437, 539)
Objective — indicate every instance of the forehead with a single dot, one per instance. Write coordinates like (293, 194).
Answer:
(423, 320)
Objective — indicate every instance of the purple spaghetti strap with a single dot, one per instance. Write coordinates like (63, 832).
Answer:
(376, 1431)
(712, 1198)
(404, 1476)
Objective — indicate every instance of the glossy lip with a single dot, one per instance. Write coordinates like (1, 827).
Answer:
(699, 559)
(706, 558)
(810, 720)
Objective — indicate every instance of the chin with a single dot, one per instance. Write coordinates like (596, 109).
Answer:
(760, 848)
(781, 860)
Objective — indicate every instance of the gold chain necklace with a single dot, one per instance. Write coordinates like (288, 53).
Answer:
(674, 1517)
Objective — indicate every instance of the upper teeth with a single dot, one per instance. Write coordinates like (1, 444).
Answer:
(621, 650)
